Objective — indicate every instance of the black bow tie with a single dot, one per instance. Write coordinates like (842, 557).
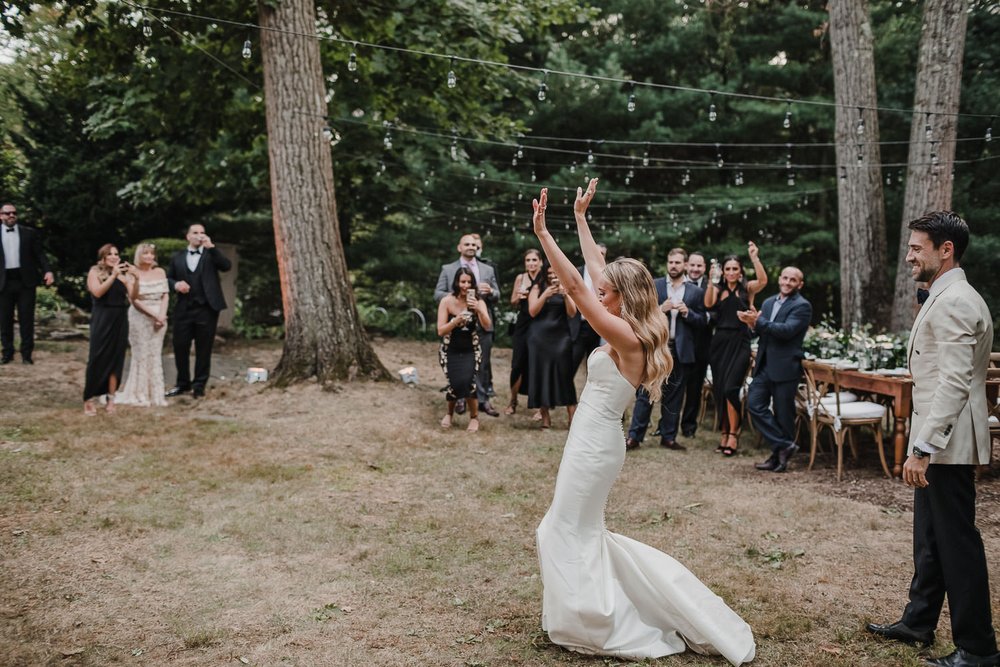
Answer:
(194, 252)
(11, 229)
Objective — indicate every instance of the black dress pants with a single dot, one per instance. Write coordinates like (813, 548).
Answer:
(585, 343)
(17, 295)
(694, 381)
(949, 560)
(194, 322)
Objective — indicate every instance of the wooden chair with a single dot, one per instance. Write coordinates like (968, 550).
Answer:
(840, 417)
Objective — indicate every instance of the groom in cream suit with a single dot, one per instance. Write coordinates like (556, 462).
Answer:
(949, 352)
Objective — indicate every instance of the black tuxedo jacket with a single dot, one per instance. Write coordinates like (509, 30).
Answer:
(685, 331)
(34, 264)
(212, 262)
(780, 346)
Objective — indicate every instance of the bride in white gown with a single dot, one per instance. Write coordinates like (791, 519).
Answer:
(605, 593)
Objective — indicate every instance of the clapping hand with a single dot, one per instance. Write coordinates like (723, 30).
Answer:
(583, 199)
(748, 317)
(538, 220)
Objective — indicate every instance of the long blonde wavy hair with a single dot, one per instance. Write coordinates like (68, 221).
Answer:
(634, 284)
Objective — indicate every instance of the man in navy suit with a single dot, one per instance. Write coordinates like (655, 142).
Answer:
(193, 274)
(781, 324)
(684, 306)
(22, 266)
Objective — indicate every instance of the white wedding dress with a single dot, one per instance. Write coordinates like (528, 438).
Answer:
(605, 593)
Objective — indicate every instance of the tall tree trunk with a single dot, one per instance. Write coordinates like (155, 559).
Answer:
(938, 87)
(861, 209)
(323, 333)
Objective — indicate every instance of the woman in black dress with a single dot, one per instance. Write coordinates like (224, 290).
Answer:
(460, 353)
(519, 334)
(550, 360)
(110, 291)
(728, 293)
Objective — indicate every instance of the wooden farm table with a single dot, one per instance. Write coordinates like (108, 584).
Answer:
(900, 388)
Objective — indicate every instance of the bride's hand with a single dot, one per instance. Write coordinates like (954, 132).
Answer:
(538, 220)
(583, 199)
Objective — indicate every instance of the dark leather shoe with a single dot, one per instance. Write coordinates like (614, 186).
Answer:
(901, 633)
(489, 409)
(177, 391)
(27, 361)
(768, 464)
(962, 658)
(672, 444)
(460, 406)
(199, 392)
(6, 360)
(631, 443)
(688, 434)
(784, 455)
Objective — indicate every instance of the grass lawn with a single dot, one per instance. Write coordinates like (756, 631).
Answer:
(343, 526)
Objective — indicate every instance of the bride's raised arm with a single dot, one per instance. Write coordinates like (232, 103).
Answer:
(592, 256)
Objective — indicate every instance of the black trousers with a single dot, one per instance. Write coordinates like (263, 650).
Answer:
(949, 560)
(694, 380)
(777, 426)
(485, 378)
(585, 343)
(672, 394)
(194, 322)
(16, 295)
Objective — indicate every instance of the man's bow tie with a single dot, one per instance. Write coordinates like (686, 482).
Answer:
(194, 252)
(11, 229)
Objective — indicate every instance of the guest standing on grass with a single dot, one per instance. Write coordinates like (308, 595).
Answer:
(111, 283)
(147, 326)
(23, 266)
(460, 317)
(550, 359)
(694, 381)
(949, 352)
(519, 332)
(728, 293)
(194, 275)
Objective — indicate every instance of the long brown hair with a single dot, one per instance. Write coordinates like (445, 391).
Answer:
(102, 268)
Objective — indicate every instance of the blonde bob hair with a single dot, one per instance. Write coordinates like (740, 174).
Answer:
(634, 284)
(141, 248)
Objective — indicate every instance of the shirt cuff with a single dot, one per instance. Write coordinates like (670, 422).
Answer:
(927, 447)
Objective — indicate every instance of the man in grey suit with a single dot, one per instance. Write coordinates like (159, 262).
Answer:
(949, 351)
(488, 290)
(23, 266)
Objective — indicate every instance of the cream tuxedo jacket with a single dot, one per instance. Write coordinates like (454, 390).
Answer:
(949, 351)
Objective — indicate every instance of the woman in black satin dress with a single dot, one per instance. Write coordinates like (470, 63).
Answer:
(519, 334)
(111, 283)
(550, 360)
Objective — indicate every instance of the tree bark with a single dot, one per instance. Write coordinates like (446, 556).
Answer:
(323, 332)
(935, 101)
(861, 209)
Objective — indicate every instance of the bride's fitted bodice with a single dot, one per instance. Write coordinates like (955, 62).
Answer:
(152, 290)
(608, 393)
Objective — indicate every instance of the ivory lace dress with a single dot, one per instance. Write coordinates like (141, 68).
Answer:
(144, 382)
(605, 593)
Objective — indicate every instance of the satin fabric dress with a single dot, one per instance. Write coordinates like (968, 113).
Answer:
(605, 593)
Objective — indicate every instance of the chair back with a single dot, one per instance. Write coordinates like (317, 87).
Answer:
(814, 391)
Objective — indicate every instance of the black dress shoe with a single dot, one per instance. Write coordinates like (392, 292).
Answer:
(177, 391)
(27, 361)
(199, 392)
(488, 409)
(901, 633)
(672, 444)
(6, 360)
(688, 434)
(767, 464)
(783, 457)
(631, 443)
(962, 658)
(460, 406)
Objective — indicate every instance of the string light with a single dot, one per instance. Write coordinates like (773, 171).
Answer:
(788, 157)
(934, 156)
(518, 153)
(719, 162)
(843, 173)
(542, 86)
(352, 60)
(712, 115)
(861, 123)
(928, 133)
(454, 145)
(631, 96)
(861, 158)
(247, 53)
(147, 28)
(989, 132)
(387, 139)
(791, 178)
(787, 123)
(888, 178)
(590, 155)
(645, 157)
(452, 78)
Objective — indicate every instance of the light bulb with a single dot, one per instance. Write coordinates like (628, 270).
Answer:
(788, 161)
(520, 152)
(791, 178)
(475, 189)
(645, 159)
(147, 28)
(928, 133)
(861, 123)
(989, 134)
(719, 162)
(861, 159)
(712, 115)
(533, 177)
(454, 149)
(843, 173)
(572, 167)
(513, 161)
(888, 179)
(520, 195)
(542, 88)
(387, 141)
(787, 123)
(246, 50)
(631, 102)
(452, 79)
(590, 156)
(352, 62)
(482, 175)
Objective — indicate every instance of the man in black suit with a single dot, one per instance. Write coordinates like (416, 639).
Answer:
(684, 306)
(193, 274)
(694, 378)
(585, 339)
(23, 261)
(781, 324)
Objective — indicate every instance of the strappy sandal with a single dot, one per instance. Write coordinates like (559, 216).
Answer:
(110, 406)
(473, 425)
(729, 450)
(511, 408)
(722, 445)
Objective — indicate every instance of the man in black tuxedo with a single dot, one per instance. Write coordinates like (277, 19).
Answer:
(694, 378)
(781, 324)
(24, 262)
(684, 306)
(585, 339)
(193, 274)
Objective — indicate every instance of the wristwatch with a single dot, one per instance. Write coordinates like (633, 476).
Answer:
(919, 453)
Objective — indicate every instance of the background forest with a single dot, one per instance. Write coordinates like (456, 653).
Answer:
(120, 124)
